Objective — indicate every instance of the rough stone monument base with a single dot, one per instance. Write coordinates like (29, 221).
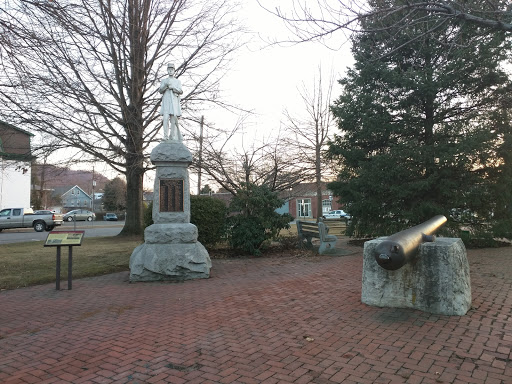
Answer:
(171, 252)
(436, 281)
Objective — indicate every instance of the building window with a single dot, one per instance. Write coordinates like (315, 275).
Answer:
(326, 206)
(304, 208)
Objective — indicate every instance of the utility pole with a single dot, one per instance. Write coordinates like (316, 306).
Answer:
(200, 159)
(93, 185)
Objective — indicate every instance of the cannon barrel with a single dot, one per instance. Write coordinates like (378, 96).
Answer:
(396, 250)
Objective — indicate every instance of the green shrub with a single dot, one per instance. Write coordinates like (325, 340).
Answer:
(478, 239)
(255, 221)
(247, 234)
(206, 213)
(503, 229)
(209, 216)
(471, 237)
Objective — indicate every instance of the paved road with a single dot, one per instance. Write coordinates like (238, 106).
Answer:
(93, 229)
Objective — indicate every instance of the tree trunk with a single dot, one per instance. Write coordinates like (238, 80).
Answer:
(134, 205)
(42, 182)
(134, 183)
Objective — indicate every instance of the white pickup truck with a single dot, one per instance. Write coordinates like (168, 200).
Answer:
(25, 218)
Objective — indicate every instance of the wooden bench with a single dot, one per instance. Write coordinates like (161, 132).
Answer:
(308, 229)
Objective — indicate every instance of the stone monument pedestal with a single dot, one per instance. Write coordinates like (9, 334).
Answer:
(170, 250)
(437, 280)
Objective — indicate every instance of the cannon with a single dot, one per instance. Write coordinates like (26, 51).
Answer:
(399, 248)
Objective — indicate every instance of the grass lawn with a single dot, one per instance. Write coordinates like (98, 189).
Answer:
(24, 264)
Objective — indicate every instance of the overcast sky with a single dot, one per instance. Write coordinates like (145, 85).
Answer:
(266, 79)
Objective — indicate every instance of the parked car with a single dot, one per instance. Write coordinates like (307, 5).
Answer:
(337, 214)
(79, 215)
(26, 218)
(43, 212)
(110, 217)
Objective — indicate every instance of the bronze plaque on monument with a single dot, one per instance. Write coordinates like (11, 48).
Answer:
(171, 195)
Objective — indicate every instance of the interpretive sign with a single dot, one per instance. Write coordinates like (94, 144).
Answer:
(64, 238)
(171, 195)
(59, 238)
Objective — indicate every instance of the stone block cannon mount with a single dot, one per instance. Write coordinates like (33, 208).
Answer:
(410, 270)
(398, 249)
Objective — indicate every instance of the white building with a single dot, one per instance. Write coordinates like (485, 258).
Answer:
(15, 166)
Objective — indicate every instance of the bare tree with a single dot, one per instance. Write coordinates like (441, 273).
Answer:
(231, 165)
(86, 72)
(309, 133)
(308, 20)
(41, 195)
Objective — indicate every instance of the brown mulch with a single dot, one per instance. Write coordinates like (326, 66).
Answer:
(272, 252)
(289, 249)
(345, 244)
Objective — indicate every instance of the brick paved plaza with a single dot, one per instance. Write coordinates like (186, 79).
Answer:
(269, 320)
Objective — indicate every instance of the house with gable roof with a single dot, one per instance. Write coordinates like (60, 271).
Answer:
(74, 198)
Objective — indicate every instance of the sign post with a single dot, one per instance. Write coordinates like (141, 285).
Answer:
(64, 238)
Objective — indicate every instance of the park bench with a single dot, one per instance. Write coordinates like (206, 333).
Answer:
(307, 230)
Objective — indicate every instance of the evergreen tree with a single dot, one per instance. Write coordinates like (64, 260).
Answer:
(418, 119)
(114, 197)
(206, 190)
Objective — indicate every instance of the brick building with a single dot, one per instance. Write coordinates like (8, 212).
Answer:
(15, 165)
(302, 202)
